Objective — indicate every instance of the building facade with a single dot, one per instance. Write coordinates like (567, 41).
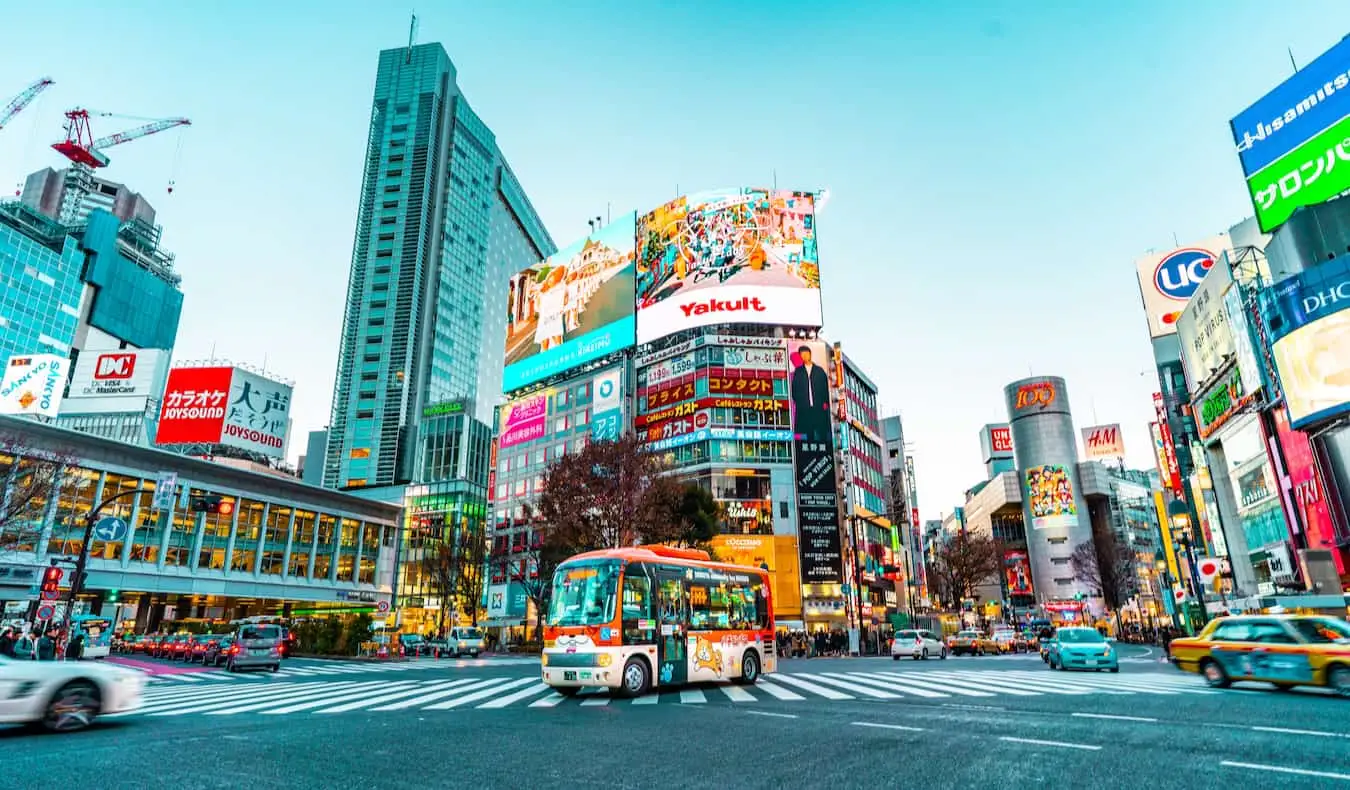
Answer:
(285, 547)
(48, 190)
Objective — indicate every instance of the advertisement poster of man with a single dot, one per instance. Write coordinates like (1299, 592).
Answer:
(813, 459)
(1017, 572)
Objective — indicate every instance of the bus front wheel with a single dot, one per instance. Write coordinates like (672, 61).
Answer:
(749, 669)
(637, 678)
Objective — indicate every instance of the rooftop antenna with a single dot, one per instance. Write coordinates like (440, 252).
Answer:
(1175, 240)
(412, 38)
(213, 352)
(775, 179)
(1292, 62)
(607, 208)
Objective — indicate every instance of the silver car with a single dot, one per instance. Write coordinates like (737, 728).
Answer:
(916, 644)
(254, 647)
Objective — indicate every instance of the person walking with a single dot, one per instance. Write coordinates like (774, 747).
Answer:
(7, 640)
(24, 646)
(46, 647)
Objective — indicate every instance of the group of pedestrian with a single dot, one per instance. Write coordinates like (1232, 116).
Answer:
(800, 644)
(24, 645)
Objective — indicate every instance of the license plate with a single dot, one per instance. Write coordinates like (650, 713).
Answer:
(261, 651)
(569, 676)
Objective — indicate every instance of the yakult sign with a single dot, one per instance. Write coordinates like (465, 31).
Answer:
(1168, 281)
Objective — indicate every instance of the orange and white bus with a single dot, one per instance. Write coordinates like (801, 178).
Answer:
(651, 616)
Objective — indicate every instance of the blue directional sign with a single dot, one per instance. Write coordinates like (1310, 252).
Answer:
(110, 528)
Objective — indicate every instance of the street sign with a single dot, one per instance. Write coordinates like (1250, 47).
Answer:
(110, 529)
(51, 595)
(165, 483)
(382, 607)
(46, 612)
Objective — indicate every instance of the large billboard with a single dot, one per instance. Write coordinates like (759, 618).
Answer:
(813, 459)
(1050, 497)
(1310, 326)
(1167, 281)
(775, 553)
(744, 256)
(1203, 328)
(1290, 141)
(33, 385)
(522, 421)
(122, 381)
(228, 406)
(1103, 443)
(573, 307)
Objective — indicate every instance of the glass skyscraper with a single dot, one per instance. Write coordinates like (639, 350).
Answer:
(441, 226)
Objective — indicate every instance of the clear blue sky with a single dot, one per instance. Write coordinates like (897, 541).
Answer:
(995, 168)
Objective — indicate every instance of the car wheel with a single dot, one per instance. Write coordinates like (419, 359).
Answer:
(73, 707)
(1338, 680)
(1214, 674)
(1114, 669)
(895, 656)
(749, 669)
(275, 668)
(636, 678)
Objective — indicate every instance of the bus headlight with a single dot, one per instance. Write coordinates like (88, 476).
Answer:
(544, 659)
(603, 660)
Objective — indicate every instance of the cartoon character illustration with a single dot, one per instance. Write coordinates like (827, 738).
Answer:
(667, 672)
(706, 656)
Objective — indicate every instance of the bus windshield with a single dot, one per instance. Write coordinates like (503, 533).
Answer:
(583, 593)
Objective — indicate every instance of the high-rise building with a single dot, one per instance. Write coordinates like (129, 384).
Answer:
(48, 191)
(441, 225)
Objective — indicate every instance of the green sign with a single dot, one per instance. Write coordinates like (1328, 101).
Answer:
(1220, 403)
(449, 407)
(1313, 173)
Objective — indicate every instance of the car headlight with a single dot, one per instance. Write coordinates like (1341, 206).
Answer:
(543, 659)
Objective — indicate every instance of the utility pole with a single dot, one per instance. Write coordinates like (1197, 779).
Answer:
(77, 578)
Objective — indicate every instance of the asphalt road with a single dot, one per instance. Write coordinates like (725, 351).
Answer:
(868, 722)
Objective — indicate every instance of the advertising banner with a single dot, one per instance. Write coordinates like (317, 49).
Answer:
(1216, 406)
(522, 421)
(1167, 281)
(727, 256)
(683, 434)
(668, 369)
(687, 408)
(106, 382)
(755, 358)
(571, 308)
(607, 406)
(996, 441)
(1165, 470)
(1248, 365)
(1203, 328)
(1290, 140)
(33, 385)
(1307, 494)
(727, 385)
(1039, 397)
(664, 395)
(506, 601)
(678, 427)
(775, 553)
(258, 416)
(1050, 497)
(1312, 347)
(813, 459)
(1017, 572)
(1102, 442)
(194, 405)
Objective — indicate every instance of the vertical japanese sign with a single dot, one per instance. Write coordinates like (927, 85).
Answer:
(523, 421)
(1172, 473)
(257, 418)
(607, 408)
(813, 457)
(194, 404)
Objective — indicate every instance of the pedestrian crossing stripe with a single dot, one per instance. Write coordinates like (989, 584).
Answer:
(328, 670)
(405, 692)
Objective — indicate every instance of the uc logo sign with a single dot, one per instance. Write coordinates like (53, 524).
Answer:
(1180, 273)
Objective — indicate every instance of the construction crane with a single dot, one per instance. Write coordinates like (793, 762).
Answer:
(17, 104)
(81, 148)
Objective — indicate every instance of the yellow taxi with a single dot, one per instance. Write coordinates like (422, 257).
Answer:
(1283, 650)
(971, 642)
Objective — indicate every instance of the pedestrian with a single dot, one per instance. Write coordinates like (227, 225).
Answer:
(7, 640)
(75, 650)
(46, 646)
(24, 646)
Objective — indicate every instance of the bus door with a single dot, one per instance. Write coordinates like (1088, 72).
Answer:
(673, 622)
(637, 620)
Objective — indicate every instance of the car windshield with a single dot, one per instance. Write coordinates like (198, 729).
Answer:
(411, 637)
(470, 633)
(1082, 636)
(260, 632)
(1323, 630)
(968, 635)
(583, 593)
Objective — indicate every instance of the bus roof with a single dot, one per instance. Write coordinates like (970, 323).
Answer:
(670, 554)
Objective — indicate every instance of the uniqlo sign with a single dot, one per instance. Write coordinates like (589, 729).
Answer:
(194, 404)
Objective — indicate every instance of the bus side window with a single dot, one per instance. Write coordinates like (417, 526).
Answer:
(637, 601)
(761, 604)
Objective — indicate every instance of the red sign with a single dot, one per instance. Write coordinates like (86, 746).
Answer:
(114, 366)
(719, 385)
(193, 411)
(665, 396)
(1001, 439)
(914, 519)
(671, 429)
(1307, 495)
(1036, 395)
(1017, 572)
(689, 407)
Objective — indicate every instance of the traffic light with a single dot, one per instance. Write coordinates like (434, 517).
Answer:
(212, 503)
(1078, 596)
(51, 580)
(112, 596)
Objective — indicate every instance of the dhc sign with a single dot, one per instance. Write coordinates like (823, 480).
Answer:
(1180, 273)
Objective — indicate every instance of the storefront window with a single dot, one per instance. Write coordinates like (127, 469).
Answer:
(75, 499)
(274, 545)
(246, 535)
(347, 552)
(215, 539)
(323, 560)
(301, 543)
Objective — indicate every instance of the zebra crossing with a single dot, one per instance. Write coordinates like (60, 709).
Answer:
(404, 692)
(290, 671)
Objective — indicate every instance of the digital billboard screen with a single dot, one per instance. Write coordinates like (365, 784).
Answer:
(813, 463)
(573, 307)
(728, 256)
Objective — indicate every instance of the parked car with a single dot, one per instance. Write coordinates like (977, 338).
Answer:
(65, 696)
(465, 641)
(201, 643)
(1082, 648)
(176, 646)
(916, 644)
(414, 645)
(217, 651)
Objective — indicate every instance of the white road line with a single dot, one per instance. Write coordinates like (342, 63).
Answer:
(1014, 686)
(477, 695)
(694, 696)
(265, 696)
(408, 703)
(855, 687)
(526, 693)
(1061, 744)
(778, 692)
(1061, 684)
(319, 703)
(188, 678)
(869, 682)
(774, 715)
(203, 696)
(327, 692)
(793, 680)
(1288, 731)
(945, 689)
(549, 701)
(394, 693)
(652, 698)
(595, 702)
(738, 694)
(1282, 770)
(1114, 718)
(880, 726)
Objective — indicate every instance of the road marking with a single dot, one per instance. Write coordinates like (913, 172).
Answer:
(262, 698)
(1318, 733)
(549, 701)
(364, 694)
(595, 702)
(531, 691)
(652, 698)
(477, 695)
(946, 689)
(188, 678)
(200, 699)
(394, 693)
(960, 706)
(778, 692)
(738, 694)
(408, 703)
(692, 696)
(1060, 744)
(1281, 770)
(887, 683)
(855, 687)
(879, 726)
(793, 680)
(1115, 718)
(775, 715)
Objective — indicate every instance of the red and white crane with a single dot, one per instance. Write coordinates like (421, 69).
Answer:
(81, 148)
(17, 104)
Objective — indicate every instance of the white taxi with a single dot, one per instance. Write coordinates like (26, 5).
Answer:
(65, 696)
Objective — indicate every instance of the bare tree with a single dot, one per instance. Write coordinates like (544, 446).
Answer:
(1106, 567)
(28, 478)
(454, 569)
(962, 563)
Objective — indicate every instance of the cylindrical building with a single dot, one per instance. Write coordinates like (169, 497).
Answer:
(1056, 515)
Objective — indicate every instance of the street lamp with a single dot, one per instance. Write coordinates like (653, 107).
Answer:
(1180, 516)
